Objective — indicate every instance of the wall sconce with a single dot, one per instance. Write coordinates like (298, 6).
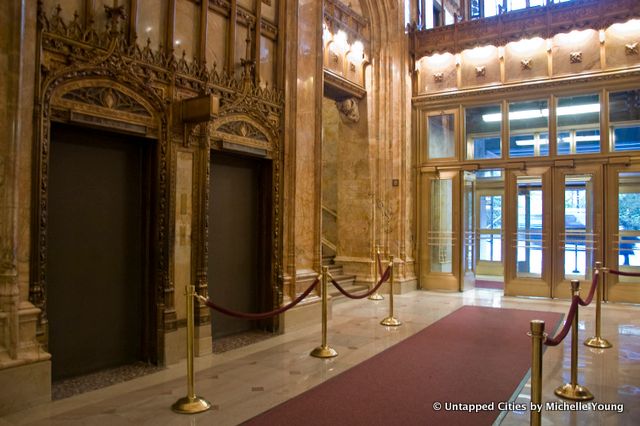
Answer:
(601, 36)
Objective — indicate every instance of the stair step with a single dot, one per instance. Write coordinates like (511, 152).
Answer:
(335, 270)
(327, 260)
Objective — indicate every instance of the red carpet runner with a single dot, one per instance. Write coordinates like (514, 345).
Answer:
(473, 355)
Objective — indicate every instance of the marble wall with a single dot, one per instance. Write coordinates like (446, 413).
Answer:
(152, 22)
(24, 365)
(216, 45)
(187, 29)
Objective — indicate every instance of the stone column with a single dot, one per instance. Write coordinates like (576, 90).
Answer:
(303, 121)
(24, 366)
(389, 96)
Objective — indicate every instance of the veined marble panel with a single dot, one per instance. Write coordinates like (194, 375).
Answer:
(187, 29)
(152, 22)
(270, 12)
(437, 72)
(248, 4)
(267, 61)
(241, 48)
(480, 66)
(622, 44)
(576, 52)
(216, 39)
(526, 59)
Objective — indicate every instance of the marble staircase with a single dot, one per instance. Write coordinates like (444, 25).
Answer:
(347, 282)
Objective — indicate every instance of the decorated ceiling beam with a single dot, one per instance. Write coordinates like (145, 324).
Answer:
(541, 21)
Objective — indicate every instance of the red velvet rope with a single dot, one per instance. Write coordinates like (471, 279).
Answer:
(567, 324)
(263, 315)
(626, 274)
(384, 278)
(594, 284)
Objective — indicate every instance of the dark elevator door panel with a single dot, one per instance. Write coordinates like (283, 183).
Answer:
(233, 239)
(95, 272)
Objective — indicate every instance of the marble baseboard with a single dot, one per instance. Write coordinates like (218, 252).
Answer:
(29, 385)
(400, 286)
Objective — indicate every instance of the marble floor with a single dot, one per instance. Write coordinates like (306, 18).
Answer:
(243, 382)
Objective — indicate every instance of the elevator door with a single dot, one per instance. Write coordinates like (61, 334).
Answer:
(234, 227)
(95, 251)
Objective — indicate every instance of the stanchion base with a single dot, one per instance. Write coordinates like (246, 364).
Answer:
(391, 322)
(376, 296)
(574, 393)
(324, 352)
(597, 342)
(188, 405)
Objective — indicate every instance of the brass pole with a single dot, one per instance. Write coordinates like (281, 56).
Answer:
(324, 351)
(376, 274)
(190, 404)
(597, 341)
(573, 390)
(537, 335)
(391, 321)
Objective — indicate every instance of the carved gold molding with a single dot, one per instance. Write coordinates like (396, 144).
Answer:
(542, 22)
(101, 78)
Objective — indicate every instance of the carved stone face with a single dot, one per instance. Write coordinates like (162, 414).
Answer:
(349, 110)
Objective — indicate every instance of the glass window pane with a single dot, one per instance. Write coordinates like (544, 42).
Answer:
(578, 124)
(624, 117)
(441, 227)
(529, 224)
(491, 7)
(483, 127)
(587, 141)
(578, 238)
(490, 212)
(629, 224)
(441, 136)
(490, 247)
(516, 4)
(528, 128)
(564, 143)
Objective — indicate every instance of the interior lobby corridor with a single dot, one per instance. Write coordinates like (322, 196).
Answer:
(245, 382)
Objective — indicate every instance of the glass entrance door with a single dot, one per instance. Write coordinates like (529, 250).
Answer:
(623, 233)
(578, 226)
(528, 224)
(468, 231)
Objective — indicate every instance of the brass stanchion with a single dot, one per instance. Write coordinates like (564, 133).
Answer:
(324, 351)
(537, 335)
(597, 341)
(390, 321)
(190, 404)
(573, 390)
(376, 274)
